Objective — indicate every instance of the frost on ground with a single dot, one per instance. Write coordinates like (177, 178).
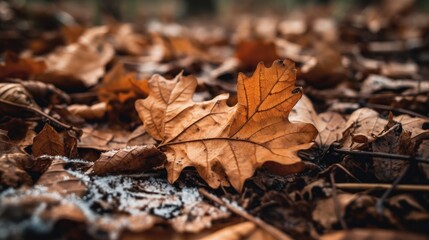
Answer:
(111, 205)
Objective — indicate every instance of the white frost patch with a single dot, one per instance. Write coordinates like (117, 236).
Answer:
(135, 194)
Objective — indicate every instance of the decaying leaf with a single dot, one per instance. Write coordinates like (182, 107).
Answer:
(57, 179)
(135, 158)
(5, 144)
(12, 171)
(51, 142)
(324, 212)
(394, 140)
(14, 93)
(15, 67)
(216, 138)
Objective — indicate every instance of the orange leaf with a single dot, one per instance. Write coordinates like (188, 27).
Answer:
(217, 139)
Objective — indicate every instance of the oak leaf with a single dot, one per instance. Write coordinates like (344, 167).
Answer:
(220, 140)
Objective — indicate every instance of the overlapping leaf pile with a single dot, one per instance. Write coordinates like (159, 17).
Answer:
(125, 130)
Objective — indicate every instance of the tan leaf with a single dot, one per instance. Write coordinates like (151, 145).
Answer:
(218, 139)
(240, 231)
(362, 127)
(330, 125)
(92, 112)
(57, 179)
(103, 138)
(415, 125)
(129, 159)
(84, 59)
(324, 212)
(50, 142)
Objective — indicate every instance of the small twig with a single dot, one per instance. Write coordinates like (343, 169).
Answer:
(394, 109)
(341, 167)
(399, 187)
(37, 111)
(381, 155)
(379, 206)
(336, 203)
(258, 222)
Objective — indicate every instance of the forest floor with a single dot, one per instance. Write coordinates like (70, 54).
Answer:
(301, 126)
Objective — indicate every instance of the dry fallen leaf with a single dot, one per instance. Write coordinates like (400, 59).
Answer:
(57, 179)
(92, 112)
(251, 52)
(121, 84)
(234, 140)
(83, 60)
(15, 67)
(51, 142)
(12, 172)
(133, 158)
(12, 93)
(324, 213)
(394, 140)
(330, 125)
(362, 127)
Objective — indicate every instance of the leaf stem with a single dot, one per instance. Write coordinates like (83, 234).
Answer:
(38, 111)
(399, 187)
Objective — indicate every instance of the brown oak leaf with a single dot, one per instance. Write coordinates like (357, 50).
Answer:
(51, 142)
(220, 140)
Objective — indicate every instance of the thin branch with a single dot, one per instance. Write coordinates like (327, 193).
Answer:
(240, 212)
(394, 109)
(341, 167)
(399, 187)
(39, 112)
(336, 203)
(381, 155)
(380, 202)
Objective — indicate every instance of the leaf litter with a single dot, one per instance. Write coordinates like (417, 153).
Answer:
(219, 153)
